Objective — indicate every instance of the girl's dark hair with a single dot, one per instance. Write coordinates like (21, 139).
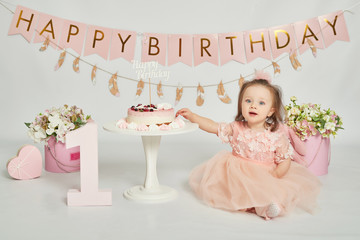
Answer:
(277, 117)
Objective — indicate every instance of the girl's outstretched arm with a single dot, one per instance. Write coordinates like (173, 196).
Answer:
(282, 168)
(205, 124)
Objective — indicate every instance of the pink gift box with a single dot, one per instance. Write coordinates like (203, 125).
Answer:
(317, 154)
(59, 159)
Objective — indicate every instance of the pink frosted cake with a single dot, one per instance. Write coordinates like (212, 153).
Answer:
(151, 118)
(151, 114)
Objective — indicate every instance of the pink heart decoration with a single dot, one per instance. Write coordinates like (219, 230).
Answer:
(27, 164)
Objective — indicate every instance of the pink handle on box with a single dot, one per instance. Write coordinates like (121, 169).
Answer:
(60, 164)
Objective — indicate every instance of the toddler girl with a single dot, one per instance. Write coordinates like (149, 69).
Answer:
(258, 176)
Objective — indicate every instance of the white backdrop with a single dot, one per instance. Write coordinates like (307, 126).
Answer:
(29, 84)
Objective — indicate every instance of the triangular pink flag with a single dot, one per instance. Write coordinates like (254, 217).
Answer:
(97, 41)
(123, 45)
(73, 35)
(154, 48)
(232, 47)
(257, 44)
(283, 39)
(48, 26)
(333, 28)
(24, 22)
(206, 49)
(180, 49)
(308, 29)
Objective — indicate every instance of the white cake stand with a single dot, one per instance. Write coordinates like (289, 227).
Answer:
(151, 191)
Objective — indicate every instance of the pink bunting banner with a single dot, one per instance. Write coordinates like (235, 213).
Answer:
(257, 44)
(48, 27)
(73, 35)
(232, 47)
(168, 49)
(24, 22)
(283, 40)
(206, 49)
(180, 48)
(309, 29)
(97, 41)
(154, 48)
(333, 28)
(123, 45)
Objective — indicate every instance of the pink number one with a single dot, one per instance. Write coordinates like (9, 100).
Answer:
(86, 138)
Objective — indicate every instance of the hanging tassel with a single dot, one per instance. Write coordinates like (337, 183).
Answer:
(222, 94)
(113, 87)
(45, 44)
(93, 75)
(200, 95)
(179, 92)
(294, 61)
(241, 81)
(312, 47)
(159, 90)
(276, 69)
(140, 87)
(76, 65)
(61, 60)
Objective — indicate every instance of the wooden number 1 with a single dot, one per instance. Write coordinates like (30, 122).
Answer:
(89, 194)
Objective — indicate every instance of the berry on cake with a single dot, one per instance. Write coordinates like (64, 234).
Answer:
(150, 118)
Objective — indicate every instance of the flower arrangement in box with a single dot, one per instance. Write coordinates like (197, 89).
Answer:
(309, 119)
(56, 122)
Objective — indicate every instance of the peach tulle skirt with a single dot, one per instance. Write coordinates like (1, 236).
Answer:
(232, 183)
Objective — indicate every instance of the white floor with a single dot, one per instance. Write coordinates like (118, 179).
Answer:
(36, 209)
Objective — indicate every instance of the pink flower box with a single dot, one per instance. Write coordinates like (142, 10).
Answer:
(59, 159)
(317, 154)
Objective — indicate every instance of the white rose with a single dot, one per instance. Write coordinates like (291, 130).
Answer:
(330, 126)
(50, 131)
(327, 118)
(54, 121)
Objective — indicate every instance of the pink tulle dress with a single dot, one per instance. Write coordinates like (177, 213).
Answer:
(242, 179)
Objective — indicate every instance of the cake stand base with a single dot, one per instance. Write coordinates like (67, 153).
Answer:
(157, 195)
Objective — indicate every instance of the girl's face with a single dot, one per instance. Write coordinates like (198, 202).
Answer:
(257, 105)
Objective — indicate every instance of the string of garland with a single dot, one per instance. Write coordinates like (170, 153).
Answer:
(222, 95)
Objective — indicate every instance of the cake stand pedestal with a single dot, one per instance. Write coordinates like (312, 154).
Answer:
(151, 191)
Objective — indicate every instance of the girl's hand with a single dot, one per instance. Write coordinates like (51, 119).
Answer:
(205, 124)
(186, 113)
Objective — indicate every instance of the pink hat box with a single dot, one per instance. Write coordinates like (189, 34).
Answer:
(318, 154)
(59, 159)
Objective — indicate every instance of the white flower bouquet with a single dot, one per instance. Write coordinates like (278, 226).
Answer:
(309, 119)
(56, 122)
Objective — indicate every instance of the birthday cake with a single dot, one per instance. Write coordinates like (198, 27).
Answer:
(150, 117)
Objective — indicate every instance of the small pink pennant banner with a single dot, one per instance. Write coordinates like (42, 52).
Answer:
(309, 29)
(48, 27)
(180, 47)
(257, 44)
(123, 45)
(154, 48)
(232, 47)
(282, 39)
(24, 22)
(206, 49)
(73, 35)
(98, 41)
(333, 28)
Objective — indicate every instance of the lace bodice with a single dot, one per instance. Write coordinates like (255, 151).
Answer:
(266, 147)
